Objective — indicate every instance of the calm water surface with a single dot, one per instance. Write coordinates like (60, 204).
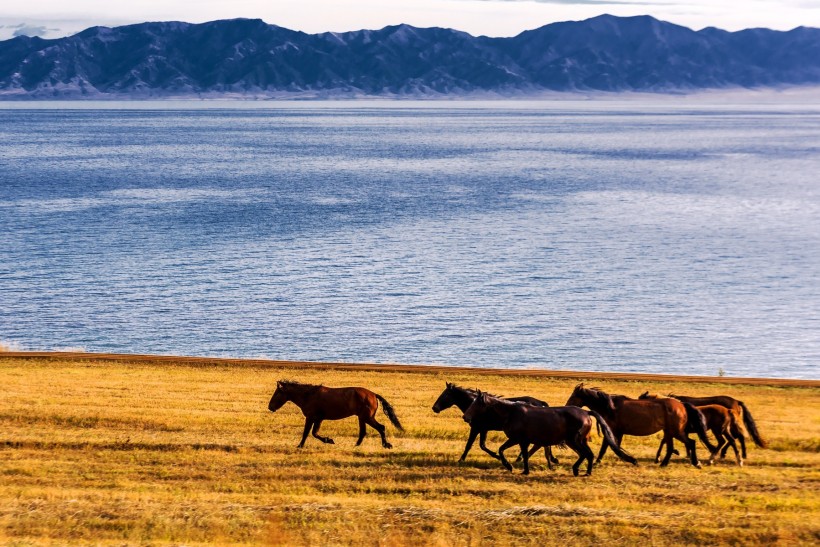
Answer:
(588, 236)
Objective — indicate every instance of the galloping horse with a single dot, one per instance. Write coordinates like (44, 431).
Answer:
(719, 420)
(641, 418)
(462, 398)
(741, 413)
(320, 403)
(527, 424)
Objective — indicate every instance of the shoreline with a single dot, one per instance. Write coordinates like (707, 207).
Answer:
(403, 368)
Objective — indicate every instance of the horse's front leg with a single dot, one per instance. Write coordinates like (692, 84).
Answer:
(362, 431)
(469, 445)
(508, 443)
(526, 455)
(667, 439)
(316, 425)
(658, 455)
(308, 424)
(482, 442)
(549, 455)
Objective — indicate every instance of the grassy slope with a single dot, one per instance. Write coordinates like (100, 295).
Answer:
(132, 453)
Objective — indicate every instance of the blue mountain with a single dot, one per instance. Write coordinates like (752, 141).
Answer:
(248, 57)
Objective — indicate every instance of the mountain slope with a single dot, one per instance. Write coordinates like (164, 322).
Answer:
(250, 57)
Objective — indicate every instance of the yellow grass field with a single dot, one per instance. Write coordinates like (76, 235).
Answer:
(137, 452)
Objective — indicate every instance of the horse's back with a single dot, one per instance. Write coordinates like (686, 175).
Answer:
(716, 415)
(647, 416)
(528, 400)
(335, 403)
(722, 400)
(547, 425)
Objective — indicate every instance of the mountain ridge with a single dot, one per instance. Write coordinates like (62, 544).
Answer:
(248, 57)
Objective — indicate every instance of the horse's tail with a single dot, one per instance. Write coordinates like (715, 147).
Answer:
(609, 438)
(389, 412)
(751, 426)
(696, 423)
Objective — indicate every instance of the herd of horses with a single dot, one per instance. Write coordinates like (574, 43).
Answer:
(531, 424)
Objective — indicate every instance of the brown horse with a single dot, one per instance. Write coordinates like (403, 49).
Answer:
(320, 403)
(741, 414)
(627, 416)
(543, 426)
(720, 421)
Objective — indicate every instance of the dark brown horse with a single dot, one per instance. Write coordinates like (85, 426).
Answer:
(320, 403)
(462, 398)
(641, 418)
(741, 414)
(719, 420)
(526, 424)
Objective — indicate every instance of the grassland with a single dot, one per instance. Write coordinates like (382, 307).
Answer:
(185, 452)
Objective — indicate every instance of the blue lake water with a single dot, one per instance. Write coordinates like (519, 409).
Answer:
(591, 236)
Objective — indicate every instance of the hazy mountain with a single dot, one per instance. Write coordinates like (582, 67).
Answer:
(250, 57)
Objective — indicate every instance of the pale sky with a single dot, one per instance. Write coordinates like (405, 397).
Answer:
(55, 18)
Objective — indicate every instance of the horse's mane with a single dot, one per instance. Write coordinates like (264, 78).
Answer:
(597, 394)
(299, 385)
(471, 391)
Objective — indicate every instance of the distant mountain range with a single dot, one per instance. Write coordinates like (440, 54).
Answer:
(247, 57)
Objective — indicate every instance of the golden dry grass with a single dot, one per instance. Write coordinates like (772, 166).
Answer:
(107, 452)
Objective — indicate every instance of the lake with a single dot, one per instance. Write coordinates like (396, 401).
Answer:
(610, 236)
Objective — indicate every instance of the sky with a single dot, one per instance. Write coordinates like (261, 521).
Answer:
(56, 18)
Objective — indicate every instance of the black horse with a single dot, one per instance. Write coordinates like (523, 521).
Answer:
(462, 398)
(540, 426)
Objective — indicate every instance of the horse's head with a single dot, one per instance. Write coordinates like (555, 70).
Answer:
(446, 399)
(478, 407)
(646, 395)
(577, 396)
(593, 398)
(280, 396)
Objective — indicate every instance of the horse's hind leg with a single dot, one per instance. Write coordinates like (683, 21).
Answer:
(691, 447)
(308, 424)
(581, 447)
(316, 425)
(604, 446)
(362, 431)
(380, 428)
(737, 433)
(730, 440)
(721, 442)
(526, 455)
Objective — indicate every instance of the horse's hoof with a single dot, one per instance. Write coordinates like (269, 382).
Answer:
(740, 463)
(508, 468)
(387, 445)
(698, 465)
(574, 471)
